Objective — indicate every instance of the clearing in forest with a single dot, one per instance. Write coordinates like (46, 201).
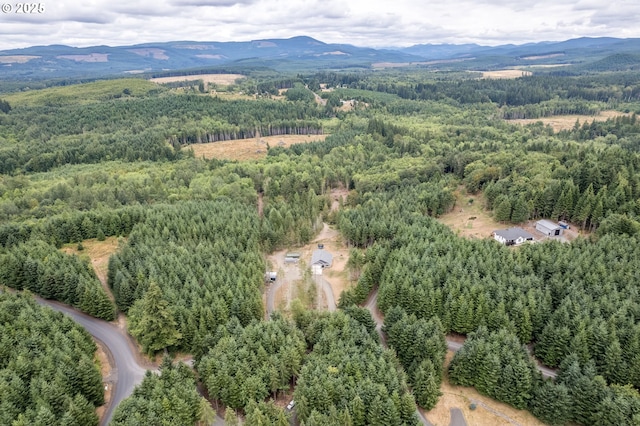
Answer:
(469, 218)
(505, 74)
(98, 253)
(292, 278)
(222, 79)
(488, 412)
(248, 149)
(566, 122)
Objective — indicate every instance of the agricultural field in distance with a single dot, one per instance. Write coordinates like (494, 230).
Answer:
(248, 149)
(501, 74)
(566, 122)
(222, 79)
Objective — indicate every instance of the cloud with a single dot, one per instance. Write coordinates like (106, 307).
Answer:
(213, 3)
(361, 22)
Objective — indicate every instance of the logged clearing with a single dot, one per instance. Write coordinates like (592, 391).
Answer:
(488, 412)
(469, 218)
(248, 149)
(222, 79)
(505, 74)
(16, 59)
(98, 253)
(566, 122)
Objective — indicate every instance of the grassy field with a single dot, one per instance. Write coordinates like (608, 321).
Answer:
(98, 253)
(248, 149)
(505, 74)
(81, 93)
(469, 218)
(222, 79)
(566, 122)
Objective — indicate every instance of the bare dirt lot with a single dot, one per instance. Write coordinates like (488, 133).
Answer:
(98, 253)
(488, 412)
(566, 122)
(505, 74)
(334, 244)
(470, 220)
(222, 79)
(248, 149)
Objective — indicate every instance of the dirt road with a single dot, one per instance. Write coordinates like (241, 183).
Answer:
(288, 273)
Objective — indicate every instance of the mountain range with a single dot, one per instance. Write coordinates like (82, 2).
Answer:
(304, 53)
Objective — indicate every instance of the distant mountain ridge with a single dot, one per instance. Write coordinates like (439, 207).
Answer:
(58, 61)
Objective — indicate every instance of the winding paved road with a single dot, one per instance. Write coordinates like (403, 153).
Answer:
(126, 371)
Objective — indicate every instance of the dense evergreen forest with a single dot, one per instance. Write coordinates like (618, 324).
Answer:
(47, 370)
(112, 158)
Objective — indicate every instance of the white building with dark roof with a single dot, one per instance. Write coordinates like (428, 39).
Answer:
(512, 236)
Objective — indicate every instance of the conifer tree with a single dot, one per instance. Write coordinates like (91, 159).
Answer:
(152, 321)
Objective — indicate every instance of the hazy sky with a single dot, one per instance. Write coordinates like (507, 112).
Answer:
(374, 23)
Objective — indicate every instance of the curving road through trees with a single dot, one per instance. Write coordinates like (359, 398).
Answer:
(126, 372)
(372, 303)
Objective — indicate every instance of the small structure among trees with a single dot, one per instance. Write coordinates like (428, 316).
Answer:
(292, 258)
(549, 228)
(512, 236)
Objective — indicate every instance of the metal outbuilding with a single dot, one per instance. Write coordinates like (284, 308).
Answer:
(548, 228)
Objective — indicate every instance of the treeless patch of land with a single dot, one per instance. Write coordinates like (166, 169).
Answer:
(294, 284)
(248, 149)
(548, 65)
(334, 244)
(566, 122)
(222, 79)
(336, 195)
(98, 253)
(488, 412)
(505, 74)
(16, 59)
(470, 219)
(92, 57)
(536, 57)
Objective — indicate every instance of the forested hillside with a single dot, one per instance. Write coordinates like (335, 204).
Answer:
(112, 159)
(47, 370)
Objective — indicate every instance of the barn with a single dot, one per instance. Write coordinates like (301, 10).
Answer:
(548, 228)
(512, 236)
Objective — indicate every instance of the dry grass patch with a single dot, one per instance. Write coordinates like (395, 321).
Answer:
(16, 59)
(566, 122)
(469, 218)
(248, 149)
(105, 371)
(505, 74)
(98, 253)
(488, 412)
(222, 79)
